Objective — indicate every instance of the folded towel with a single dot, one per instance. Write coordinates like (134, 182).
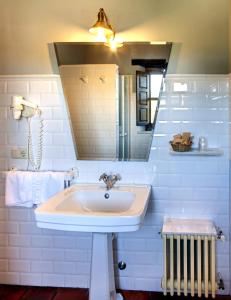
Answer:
(24, 188)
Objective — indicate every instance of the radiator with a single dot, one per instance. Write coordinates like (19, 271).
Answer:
(189, 258)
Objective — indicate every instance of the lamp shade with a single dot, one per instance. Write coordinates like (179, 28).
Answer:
(102, 25)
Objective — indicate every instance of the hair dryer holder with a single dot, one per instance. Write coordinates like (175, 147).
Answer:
(23, 108)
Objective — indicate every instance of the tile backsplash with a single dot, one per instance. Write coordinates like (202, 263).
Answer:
(195, 187)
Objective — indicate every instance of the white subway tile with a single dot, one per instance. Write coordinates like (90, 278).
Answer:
(3, 239)
(30, 279)
(40, 86)
(46, 164)
(20, 164)
(18, 87)
(56, 86)
(58, 113)
(2, 195)
(19, 266)
(8, 227)
(15, 139)
(50, 100)
(22, 126)
(64, 242)
(77, 255)
(62, 139)
(3, 265)
(53, 280)
(19, 214)
(80, 281)
(29, 228)
(3, 113)
(83, 268)
(3, 214)
(46, 113)
(42, 241)
(41, 267)
(148, 284)
(69, 152)
(5, 100)
(19, 240)
(3, 164)
(53, 152)
(63, 164)
(64, 267)
(30, 253)
(125, 283)
(8, 126)
(3, 86)
(140, 258)
(9, 252)
(53, 126)
(9, 278)
(53, 254)
(140, 270)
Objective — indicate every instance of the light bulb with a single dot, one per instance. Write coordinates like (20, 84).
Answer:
(101, 35)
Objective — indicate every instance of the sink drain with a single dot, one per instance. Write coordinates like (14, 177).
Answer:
(106, 196)
(122, 265)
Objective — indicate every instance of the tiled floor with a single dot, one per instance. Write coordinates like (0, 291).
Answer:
(10, 292)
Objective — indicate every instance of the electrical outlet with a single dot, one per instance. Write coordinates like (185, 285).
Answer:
(19, 153)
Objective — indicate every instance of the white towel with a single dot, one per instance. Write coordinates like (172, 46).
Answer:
(24, 188)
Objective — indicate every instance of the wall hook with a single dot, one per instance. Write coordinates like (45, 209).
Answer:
(102, 78)
(84, 79)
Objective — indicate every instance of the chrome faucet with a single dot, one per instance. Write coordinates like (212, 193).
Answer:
(109, 180)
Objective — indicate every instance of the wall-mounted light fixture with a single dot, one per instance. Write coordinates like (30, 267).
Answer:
(104, 32)
(102, 29)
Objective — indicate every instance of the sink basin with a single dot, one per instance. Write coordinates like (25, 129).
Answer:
(92, 208)
(98, 201)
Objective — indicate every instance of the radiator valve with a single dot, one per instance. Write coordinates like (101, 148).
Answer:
(220, 282)
(220, 234)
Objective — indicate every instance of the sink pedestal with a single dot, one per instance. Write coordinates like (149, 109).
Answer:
(102, 281)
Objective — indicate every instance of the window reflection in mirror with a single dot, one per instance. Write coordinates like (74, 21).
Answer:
(135, 134)
(156, 88)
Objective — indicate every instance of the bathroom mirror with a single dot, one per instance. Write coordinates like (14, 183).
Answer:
(112, 97)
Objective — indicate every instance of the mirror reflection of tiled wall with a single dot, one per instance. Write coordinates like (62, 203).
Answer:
(92, 94)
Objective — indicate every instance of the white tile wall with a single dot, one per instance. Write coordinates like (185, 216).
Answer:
(195, 187)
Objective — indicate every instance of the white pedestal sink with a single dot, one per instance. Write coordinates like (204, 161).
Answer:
(91, 208)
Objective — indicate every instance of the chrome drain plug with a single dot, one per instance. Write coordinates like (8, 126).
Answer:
(106, 196)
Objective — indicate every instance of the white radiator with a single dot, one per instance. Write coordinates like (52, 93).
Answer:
(189, 257)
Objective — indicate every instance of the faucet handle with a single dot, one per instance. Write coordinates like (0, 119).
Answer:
(103, 176)
(118, 177)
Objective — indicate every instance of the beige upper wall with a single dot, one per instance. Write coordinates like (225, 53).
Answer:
(199, 29)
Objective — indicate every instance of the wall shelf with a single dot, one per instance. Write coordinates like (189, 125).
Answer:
(196, 152)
